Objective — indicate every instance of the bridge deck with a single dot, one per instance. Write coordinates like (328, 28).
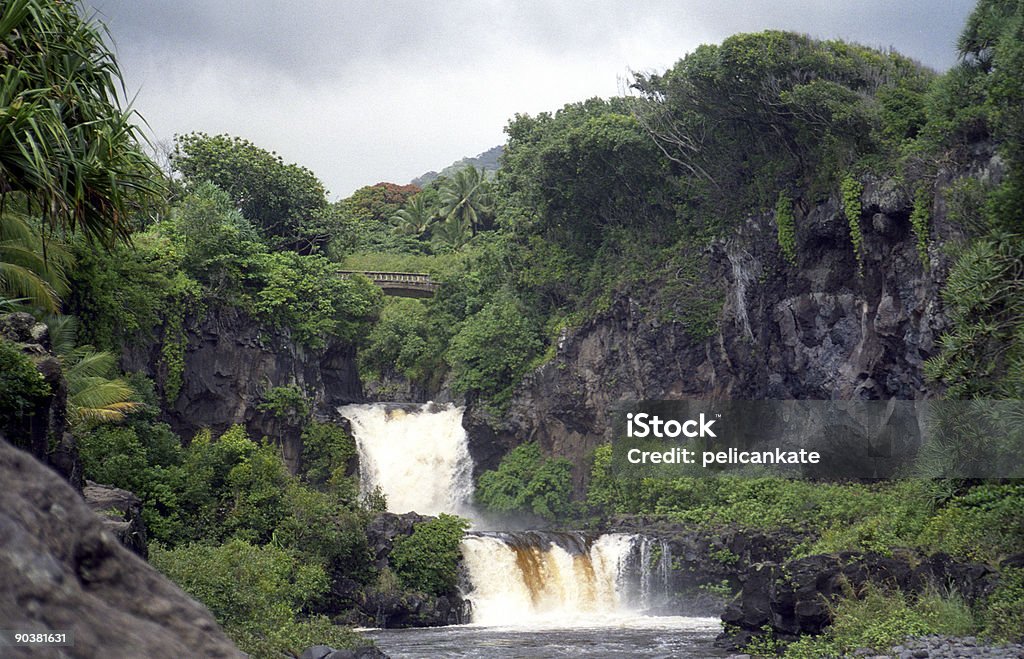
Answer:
(401, 284)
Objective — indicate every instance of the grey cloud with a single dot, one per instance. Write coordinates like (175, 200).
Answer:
(386, 89)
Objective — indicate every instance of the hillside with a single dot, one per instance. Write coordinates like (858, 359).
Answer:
(489, 161)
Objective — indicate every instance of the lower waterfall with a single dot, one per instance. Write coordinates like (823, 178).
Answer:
(562, 578)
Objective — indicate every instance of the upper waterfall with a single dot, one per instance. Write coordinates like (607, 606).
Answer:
(417, 455)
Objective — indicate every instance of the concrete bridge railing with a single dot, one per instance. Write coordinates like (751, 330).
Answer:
(402, 284)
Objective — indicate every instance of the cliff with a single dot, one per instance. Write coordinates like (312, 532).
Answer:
(231, 361)
(822, 328)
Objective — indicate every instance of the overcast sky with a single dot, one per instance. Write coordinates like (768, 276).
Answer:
(363, 92)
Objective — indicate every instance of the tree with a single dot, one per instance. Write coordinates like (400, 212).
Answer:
(428, 560)
(287, 202)
(493, 348)
(372, 214)
(588, 168)
(466, 199)
(67, 149)
(415, 217)
(94, 393)
(215, 240)
(760, 111)
(453, 232)
(526, 481)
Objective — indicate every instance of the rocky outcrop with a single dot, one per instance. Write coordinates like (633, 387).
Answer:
(327, 652)
(231, 361)
(385, 528)
(121, 512)
(62, 571)
(824, 328)
(705, 564)
(798, 597)
(390, 606)
(44, 433)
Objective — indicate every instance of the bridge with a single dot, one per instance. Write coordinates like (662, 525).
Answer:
(400, 284)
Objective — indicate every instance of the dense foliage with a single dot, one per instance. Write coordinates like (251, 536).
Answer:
(287, 202)
(526, 481)
(598, 200)
(257, 593)
(427, 560)
(22, 388)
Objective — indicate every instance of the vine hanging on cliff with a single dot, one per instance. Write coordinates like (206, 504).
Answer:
(185, 293)
(920, 220)
(851, 190)
(786, 227)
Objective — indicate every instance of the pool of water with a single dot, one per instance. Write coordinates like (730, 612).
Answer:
(610, 636)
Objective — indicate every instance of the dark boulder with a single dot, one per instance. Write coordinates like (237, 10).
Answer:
(121, 512)
(384, 528)
(797, 597)
(327, 652)
(62, 570)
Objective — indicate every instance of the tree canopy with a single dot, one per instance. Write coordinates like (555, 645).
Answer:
(287, 202)
(66, 144)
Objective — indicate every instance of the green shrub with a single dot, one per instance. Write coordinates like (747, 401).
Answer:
(144, 458)
(306, 295)
(255, 494)
(879, 619)
(528, 482)
(404, 341)
(287, 402)
(920, 220)
(327, 451)
(984, 524)
(321, 530)
(1003, 613)
(256, 593)
(427, 561)
(492, 349)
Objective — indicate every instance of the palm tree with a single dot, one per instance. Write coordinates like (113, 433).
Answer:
(415, 217)
(93, 395)
(30, 272)
(466, 197)
(454, 231)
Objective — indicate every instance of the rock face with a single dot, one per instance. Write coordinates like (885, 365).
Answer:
(230, 363)
(397, 608)
(62, 570)
(824, 328)
(796, 598)
(704, 563)
(121, 512)
(45, 433)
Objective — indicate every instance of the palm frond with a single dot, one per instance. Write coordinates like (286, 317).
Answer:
(63, 333)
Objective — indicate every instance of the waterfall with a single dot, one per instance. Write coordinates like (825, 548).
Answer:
(417, 454)
(536, 577)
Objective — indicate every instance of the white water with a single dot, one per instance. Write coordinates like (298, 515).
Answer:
(563, 580)
(419, 457)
